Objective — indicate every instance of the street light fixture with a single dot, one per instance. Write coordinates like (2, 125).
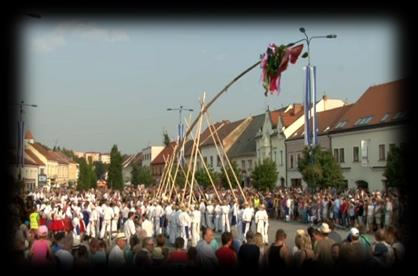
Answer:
(20, 145)
(180, 126)
(310, 95)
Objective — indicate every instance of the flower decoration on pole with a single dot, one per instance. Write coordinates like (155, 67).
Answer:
(274, 62)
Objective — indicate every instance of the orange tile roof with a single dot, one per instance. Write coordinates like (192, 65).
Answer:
(165, 153)
(30, 155)
(326, 121)
(382, 101)
(28, 135)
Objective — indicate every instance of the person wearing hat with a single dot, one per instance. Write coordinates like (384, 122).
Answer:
(360, 251)
(262, 222)
(323, 245)
(116, 255)
(40, 252)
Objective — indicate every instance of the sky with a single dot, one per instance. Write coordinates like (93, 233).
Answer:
(101, 82)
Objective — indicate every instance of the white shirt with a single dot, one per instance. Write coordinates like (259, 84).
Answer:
(116, 257)
(261, 216)
(108, 213)
(247, 214)
(148, 227)
(129, 228)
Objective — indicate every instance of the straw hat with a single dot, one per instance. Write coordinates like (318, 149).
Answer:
(120, 236)
(324, 228)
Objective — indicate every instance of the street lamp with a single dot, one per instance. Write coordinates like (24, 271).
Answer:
(180, 126)
(20, 134)
(310, 94)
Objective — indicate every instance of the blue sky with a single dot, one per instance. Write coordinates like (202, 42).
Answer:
(99, 83)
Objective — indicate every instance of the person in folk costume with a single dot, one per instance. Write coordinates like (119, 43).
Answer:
(234, 213)
(262, 222)
(224, 220)
(115, 218)
(177, 221)
(94, 221)
(209, 215)
(86, 212)
(107, 219)
(196, 216)
(247, 216)
(172, 224)
(157, 214)
(218, 212)
(184, 222)
(251, 206)
(168, 210)
(239, 226)
(202, 208)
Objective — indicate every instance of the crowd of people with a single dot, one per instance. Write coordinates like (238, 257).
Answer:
(69, 229)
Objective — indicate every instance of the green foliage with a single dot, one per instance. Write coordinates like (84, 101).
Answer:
(135, 180)
(166, 138)
(319, 169)
(224, 180)
(115, 179)
(202, 177)
(87, 176)
(395, 171)
(145, 176)
(100, 169)
(265, 175)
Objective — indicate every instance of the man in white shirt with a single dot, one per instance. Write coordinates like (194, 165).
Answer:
(202, 209)
(107, 218)
(247, 216)
(209, 215)
(196, 219)
(218, 212)
(224, 219)
(116, 255)
(262, 222)
(184, 222)
(129, 226)
(157, 214)
(148, 226)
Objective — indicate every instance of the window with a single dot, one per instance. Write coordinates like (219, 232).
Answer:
(385, 117)
(382, 152)
(291, 161)
(250, 165)
(363, 120)
(298, 158)
(336, 155)
(211, 161)
(399, 115)
(341, 124)
(242, 164)
(218, 161)
(274, 156)
(341, 155)
(355, 154)
(281, 158)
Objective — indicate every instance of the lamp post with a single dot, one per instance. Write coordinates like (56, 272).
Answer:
(180, 125)
(310, 91)
(310, 97)
(20, 133)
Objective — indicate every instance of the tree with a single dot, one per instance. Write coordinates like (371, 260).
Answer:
(145, 176)
(115, 179)
(166, 138)
(224, 179)
(395, 171)
(202, 177)
(87, 177)
(319, 169)
(135, 179)
(99, 169)
(265, 175)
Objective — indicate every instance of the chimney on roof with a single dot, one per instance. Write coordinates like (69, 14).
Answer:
(296, 109)
(28, 137)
